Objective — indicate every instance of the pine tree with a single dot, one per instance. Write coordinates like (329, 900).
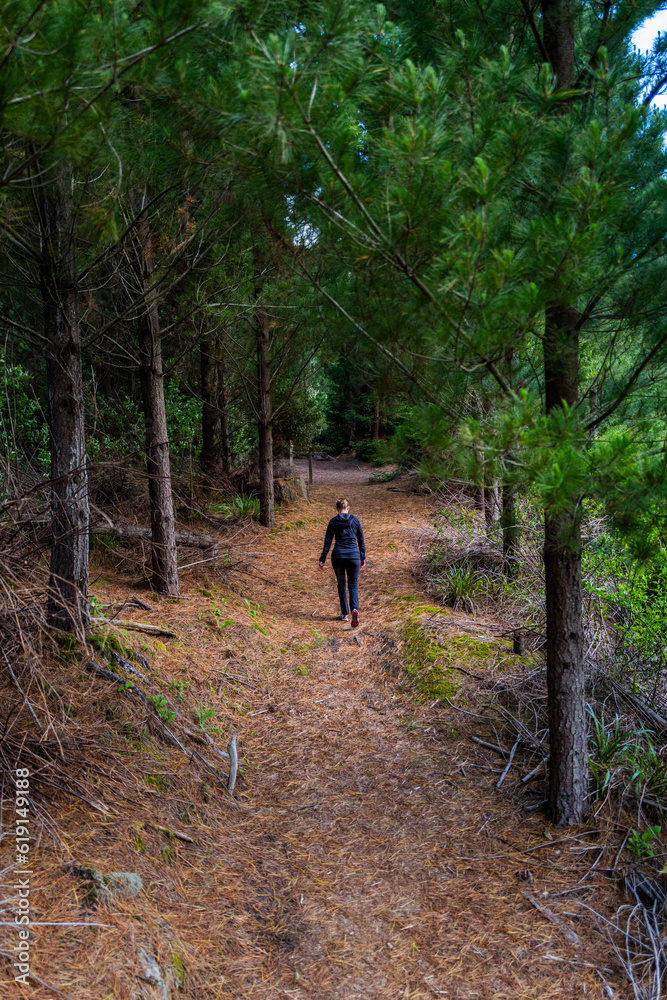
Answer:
(524, 205)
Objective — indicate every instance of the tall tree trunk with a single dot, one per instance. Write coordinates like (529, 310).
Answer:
(562, 572)
(558, 37)
(265, 423)
(210, 441)
(562, 532)
(163, 531)
(68, 606)
(376, 420)
(511, 531)
(225, 445)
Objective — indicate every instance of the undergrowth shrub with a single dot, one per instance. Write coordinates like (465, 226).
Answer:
(460, 586)
(237, 508)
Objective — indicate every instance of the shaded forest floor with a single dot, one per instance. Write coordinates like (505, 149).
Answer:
(368, 854)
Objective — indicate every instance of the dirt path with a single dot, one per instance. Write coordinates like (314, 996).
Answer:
(377, 865)
(368, 855)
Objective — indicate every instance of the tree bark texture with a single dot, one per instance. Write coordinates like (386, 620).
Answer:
(568, 773)
(210, 417)
(491, 508)
(265, 421)
(511, 531)
(67, 606)
(225, 446)
(558, 37)
(163, 548)
(562, 570)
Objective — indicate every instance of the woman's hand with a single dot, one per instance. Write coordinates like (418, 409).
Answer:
(321, 565)
(363, 563)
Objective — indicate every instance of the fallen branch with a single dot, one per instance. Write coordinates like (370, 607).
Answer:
(21, 692)
(491, 746)
(233, 764)
(551, 916)
(131, 532)
(531, 774)
(134, 532)
(136, 626)
(641, 707)
(509, 764)
(124, 664)
(174, 833)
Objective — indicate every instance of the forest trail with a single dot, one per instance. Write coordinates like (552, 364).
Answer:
(368, 855)
(369, 865)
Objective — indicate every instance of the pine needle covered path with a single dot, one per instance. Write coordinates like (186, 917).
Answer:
(368, 871)
(368, 855)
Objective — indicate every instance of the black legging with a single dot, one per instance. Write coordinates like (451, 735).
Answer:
(350, 567)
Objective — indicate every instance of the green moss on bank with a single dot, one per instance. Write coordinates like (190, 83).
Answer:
(429, 663)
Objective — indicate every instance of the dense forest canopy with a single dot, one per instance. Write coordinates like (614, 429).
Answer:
(432, 233)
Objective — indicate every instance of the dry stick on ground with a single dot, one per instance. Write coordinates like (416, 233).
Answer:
(551, 916)
(233, 763)
(21, 692)
(126, 666)
(509, 764)
(490, 746)
(139, 603)
(531, 774)
(174, 833)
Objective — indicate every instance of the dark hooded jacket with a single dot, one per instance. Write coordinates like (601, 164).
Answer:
(349, 535)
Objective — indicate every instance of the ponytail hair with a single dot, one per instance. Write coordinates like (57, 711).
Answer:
(341, 503)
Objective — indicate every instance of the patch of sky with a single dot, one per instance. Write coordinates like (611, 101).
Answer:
(304, 234)
(643, 39)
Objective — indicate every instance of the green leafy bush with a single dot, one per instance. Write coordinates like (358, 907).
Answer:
(161, 706)
(640, 845)
(24, 435)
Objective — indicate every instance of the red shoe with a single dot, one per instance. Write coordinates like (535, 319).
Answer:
(355, 618)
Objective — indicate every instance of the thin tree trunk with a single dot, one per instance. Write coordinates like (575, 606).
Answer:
(67, 606)
(480, 501)
(210, 441)
(491, 508)
(265, 423)
(225, 445)
(593, 409)
(562, 571)
(164, 555)
(511, 532)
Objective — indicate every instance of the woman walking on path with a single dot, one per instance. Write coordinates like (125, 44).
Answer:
(347, 558)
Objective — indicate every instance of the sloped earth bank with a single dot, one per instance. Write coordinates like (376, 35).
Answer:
(368, 854)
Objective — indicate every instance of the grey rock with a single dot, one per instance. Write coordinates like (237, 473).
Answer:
(123, 884)
(162, 984)
(151, 973)
(101, 887)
